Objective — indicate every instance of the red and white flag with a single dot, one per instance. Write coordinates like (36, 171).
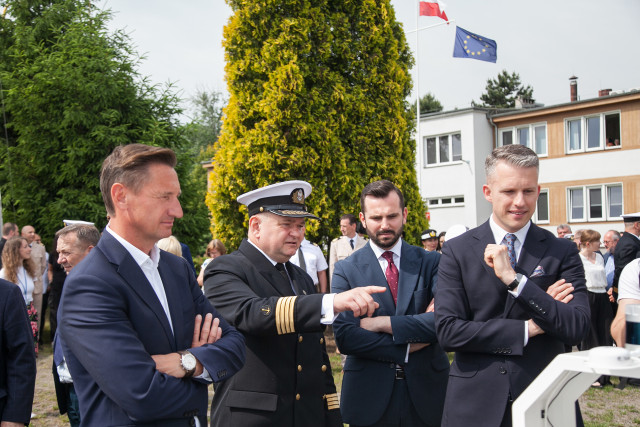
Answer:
(433, 8)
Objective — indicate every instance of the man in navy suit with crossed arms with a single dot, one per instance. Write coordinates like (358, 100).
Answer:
(395, 373)
(510, 297)
(141, 340)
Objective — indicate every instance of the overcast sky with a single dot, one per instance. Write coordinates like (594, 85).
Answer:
(545, 41)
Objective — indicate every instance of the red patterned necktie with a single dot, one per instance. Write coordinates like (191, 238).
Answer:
(392, 275)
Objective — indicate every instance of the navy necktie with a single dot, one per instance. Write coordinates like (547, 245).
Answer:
(510, 238)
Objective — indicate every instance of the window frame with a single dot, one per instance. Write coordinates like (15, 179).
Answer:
(605, 201)
(438, 147)
(584, 132)
(545, 192)
(531, 132)
(439, 202)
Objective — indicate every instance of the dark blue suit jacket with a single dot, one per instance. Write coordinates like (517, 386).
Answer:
(111, 322)
(17, 356)
(369, 371)
(484, 324)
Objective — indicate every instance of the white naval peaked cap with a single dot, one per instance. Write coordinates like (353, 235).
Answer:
(632, 217)
(75, 221)
(283, 198)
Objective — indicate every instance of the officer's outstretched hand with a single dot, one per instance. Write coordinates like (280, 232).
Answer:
(358, 300)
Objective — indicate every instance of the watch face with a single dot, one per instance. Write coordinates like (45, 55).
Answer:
(188, 361)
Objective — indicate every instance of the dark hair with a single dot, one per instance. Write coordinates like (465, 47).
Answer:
(380, 190)
(86, 235)
(128, 165)
(350, 217)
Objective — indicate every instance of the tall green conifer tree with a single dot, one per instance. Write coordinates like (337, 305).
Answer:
(318, 92)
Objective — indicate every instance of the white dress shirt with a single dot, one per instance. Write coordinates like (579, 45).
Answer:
(149, 266)
(396, 250)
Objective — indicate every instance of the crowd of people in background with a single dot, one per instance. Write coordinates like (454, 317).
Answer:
(259, 301)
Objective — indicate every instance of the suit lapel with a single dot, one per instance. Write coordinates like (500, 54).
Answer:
(532, 251)
(273, 277)
(132, 274)
(410, 267)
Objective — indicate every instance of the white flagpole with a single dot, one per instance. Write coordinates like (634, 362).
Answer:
(419, 147)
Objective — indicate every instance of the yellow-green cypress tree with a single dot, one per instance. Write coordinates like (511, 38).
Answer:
(318, 92)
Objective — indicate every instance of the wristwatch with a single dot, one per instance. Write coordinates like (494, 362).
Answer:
(188, 363)
(513, 285)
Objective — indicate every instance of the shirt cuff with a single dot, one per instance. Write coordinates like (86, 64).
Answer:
(204, 375)
(518, 290)
(326, 312)
(526, 332)
(406, 357)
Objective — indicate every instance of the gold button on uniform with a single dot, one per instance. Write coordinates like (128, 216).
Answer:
(299, 368)
(300, 338)
(324, 368)
(321, 340)
(298, 396)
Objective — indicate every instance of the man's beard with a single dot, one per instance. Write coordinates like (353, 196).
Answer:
(389, 241)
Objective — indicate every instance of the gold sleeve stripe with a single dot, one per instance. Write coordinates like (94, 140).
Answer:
(284, 315)
(332, 401)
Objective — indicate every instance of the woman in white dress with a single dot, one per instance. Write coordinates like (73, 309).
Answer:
(18, 268)
(601, 313)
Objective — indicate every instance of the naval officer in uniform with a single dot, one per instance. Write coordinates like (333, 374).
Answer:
(286, 380)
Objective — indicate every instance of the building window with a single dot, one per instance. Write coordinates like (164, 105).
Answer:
(595, 202)
(574, 135)
(612, 130)
(542, 208)
(445, 202)
(591, 133)
(506, 137)
(614, 196)
(540, 138)
(533, 136)
(442, 149)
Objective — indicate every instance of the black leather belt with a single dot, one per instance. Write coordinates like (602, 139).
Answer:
(400, 373)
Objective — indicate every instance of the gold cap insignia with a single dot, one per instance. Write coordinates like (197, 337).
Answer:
(297, 196)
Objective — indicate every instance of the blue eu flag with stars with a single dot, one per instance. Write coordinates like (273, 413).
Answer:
(469, 45)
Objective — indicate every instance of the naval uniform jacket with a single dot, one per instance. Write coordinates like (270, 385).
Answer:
(287, 379)
(627, 249)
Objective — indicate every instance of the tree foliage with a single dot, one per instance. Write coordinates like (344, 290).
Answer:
(317, 92)
(204, 128)
(428, 104)
(73, 93)
(503, 91)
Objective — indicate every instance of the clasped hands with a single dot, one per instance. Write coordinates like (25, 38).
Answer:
(497, 257)
(207, 332)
